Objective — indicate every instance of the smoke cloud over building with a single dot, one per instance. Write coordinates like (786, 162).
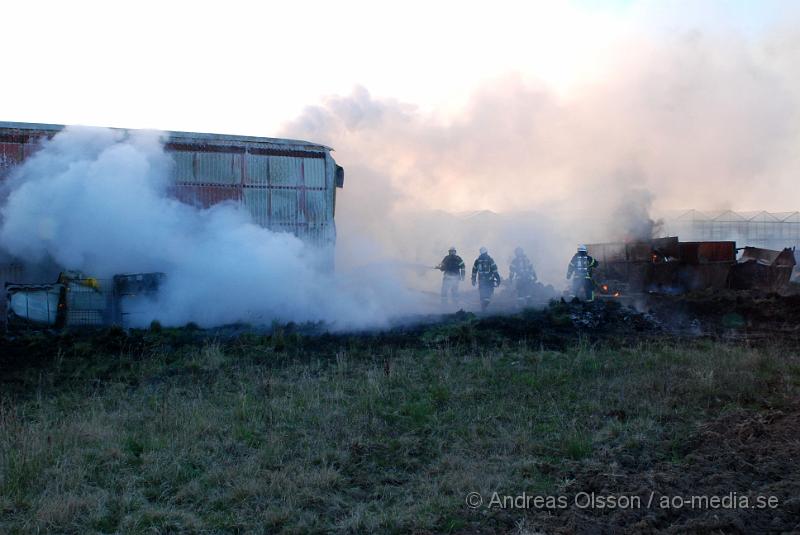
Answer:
(698, 118)
(701, 117)
(96, 200)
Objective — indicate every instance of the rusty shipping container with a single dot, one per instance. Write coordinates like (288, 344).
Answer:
(665, 264)
(763, 268)
(286, 185)
(669, 265)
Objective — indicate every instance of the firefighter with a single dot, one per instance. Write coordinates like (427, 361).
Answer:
(453, 271)
(485, 275)
(580, 270)
(521, 272)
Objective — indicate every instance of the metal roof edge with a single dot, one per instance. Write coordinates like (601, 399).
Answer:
(31, 126)
(179, 135)
(202, 136)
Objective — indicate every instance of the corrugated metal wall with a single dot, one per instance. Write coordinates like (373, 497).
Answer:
(286, 186)
(10, 155)
(14, 149)
(292, 193)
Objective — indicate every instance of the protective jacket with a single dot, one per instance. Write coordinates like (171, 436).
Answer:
(452, 264)
(582, 266)
(485, 271)
(521, 269)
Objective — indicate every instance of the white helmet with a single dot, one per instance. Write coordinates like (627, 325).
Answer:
(483, 250)
(451, 250)
(581, 248)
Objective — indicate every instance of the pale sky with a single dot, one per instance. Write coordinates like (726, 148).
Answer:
(247, 67)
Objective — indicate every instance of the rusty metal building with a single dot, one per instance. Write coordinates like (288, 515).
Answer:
(286, 185)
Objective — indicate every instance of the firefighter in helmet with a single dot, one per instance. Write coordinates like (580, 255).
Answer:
(580, 270)
(522, 274)
(453, 271)
(485, 275)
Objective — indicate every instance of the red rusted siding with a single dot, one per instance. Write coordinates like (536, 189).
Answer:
(286, 185)
(707, 252)
(206, 195)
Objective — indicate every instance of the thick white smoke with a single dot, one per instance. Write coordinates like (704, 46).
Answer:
(96, 200)
(698, 118)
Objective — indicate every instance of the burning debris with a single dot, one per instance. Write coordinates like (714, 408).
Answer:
(669, 266)
(763, 269)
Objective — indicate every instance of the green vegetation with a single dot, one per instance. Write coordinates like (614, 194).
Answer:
(296, 434)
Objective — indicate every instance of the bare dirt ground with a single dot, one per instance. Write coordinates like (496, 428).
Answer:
(742, 315)
(746, 456)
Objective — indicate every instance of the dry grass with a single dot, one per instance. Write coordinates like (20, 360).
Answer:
(384, 440)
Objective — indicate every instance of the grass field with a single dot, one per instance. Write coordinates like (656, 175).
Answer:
(290, 434)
